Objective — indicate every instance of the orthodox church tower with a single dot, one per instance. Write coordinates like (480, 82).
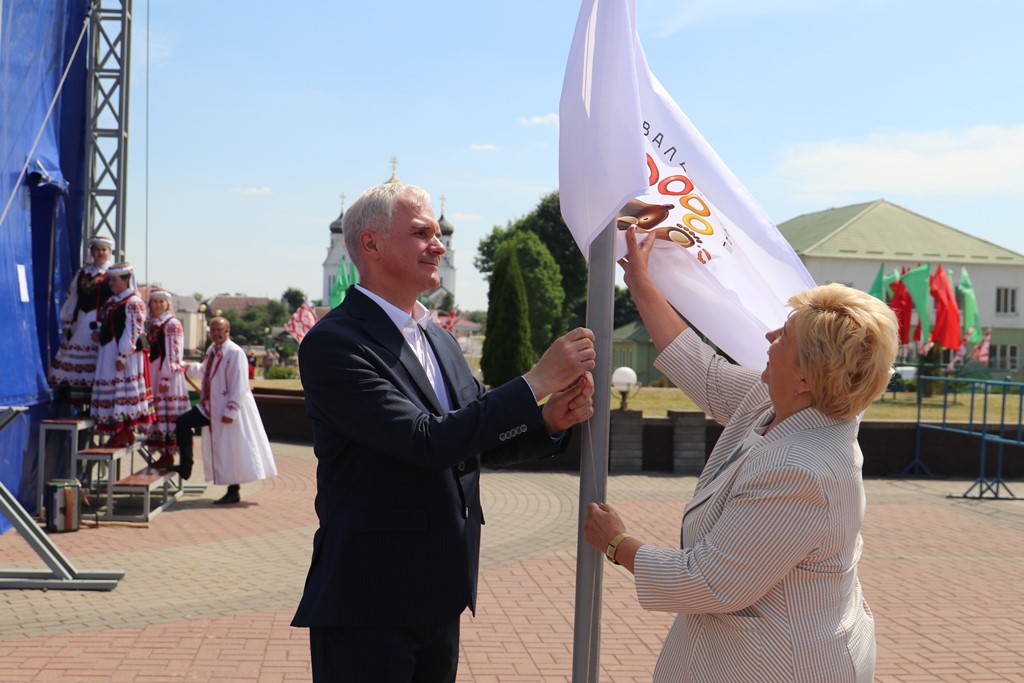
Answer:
(447, 268)
(335, 253)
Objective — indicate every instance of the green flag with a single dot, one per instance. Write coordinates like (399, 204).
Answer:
(347, 276)
(971, 319)
(918, 283)
(878, 288)
(887, 281)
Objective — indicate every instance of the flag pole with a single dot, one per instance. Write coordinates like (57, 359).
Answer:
(586, 651)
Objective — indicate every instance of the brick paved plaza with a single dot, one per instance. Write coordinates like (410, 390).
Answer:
(209, 591)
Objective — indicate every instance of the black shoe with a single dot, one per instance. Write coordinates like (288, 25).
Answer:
(185, 470)
(229, 498)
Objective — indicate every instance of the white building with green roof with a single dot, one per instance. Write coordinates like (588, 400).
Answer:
(848, 244)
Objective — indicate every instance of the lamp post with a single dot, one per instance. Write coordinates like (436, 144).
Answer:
(624, 382)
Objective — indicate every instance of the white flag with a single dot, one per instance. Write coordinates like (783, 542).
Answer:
(627, 151)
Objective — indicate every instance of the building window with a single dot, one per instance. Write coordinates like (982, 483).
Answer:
(1006, 300)
(1004, 357)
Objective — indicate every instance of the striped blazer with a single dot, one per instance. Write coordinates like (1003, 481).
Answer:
(765, 583)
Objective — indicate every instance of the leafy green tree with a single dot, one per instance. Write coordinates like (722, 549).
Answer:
(625, 308)
(542, 278)
(249, 327)
(484, 259)
(293, 298)
(507, 352)
(546, 222)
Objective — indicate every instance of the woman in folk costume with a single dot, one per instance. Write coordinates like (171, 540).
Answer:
(121, 396)
(74, 366)
(167, 372)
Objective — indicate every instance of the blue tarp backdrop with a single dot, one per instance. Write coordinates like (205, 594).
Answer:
(42, 183)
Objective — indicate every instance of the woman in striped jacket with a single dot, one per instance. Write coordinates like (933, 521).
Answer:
(765, 581)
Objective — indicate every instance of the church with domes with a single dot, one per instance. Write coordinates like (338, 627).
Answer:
(337, 256)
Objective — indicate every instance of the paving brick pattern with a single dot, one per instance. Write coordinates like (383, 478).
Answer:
(209, 590)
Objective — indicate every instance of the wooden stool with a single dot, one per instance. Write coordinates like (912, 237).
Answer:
(109, 461)
(76, 429)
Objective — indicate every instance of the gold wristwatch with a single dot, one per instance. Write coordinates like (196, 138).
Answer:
(609, 552)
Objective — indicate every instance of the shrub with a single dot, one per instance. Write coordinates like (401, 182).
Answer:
(280, 372)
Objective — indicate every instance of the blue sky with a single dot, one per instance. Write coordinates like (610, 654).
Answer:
(259, 116)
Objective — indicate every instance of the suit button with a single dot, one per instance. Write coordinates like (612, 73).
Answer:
(461, 466)
(465, 513)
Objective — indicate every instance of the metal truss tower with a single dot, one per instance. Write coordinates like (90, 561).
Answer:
(106, 152)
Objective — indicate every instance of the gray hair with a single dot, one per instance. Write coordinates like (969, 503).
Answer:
(374, 211)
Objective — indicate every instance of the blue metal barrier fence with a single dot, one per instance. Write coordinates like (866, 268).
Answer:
(981, 423)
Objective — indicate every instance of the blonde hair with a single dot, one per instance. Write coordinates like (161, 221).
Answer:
(847, 345)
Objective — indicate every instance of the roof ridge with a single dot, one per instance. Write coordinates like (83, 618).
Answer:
(842, 227)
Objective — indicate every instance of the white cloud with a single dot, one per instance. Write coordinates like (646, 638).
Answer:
(545, 120)
(980, 161)
(253, 190)
(484, 148)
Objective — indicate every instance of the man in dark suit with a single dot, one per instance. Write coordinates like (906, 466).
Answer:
(401, 428)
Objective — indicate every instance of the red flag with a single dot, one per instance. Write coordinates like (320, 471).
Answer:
(301, 322)
(903, 306)
(946, 332)
(980, 351)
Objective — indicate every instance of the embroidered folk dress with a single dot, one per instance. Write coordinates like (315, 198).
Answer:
(167, 373)
(121, 399)
(75, 362)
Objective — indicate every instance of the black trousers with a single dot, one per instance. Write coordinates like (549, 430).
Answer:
(387, 654)
(184, 428)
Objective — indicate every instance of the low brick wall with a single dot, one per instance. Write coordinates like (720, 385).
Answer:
(681, 442)
(283, 412)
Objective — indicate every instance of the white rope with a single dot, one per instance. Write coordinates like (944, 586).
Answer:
(46, 119)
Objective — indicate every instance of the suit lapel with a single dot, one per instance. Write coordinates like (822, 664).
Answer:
(412, 365)
(381, 328)
(439, 341)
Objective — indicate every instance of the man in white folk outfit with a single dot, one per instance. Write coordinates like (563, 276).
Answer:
(235, 445)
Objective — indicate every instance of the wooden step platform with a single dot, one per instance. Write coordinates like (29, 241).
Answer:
(143, 483)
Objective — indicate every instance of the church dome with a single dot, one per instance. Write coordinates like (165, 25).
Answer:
(336, 223)
(446, 227)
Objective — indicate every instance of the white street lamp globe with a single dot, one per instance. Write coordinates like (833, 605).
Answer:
(624, 380)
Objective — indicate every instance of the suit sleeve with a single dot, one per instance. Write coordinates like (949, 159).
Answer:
(773, 520)
(712, 382)
(353, 395)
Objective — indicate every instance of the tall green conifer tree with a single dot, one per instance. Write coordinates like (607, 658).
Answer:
(507, 352)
